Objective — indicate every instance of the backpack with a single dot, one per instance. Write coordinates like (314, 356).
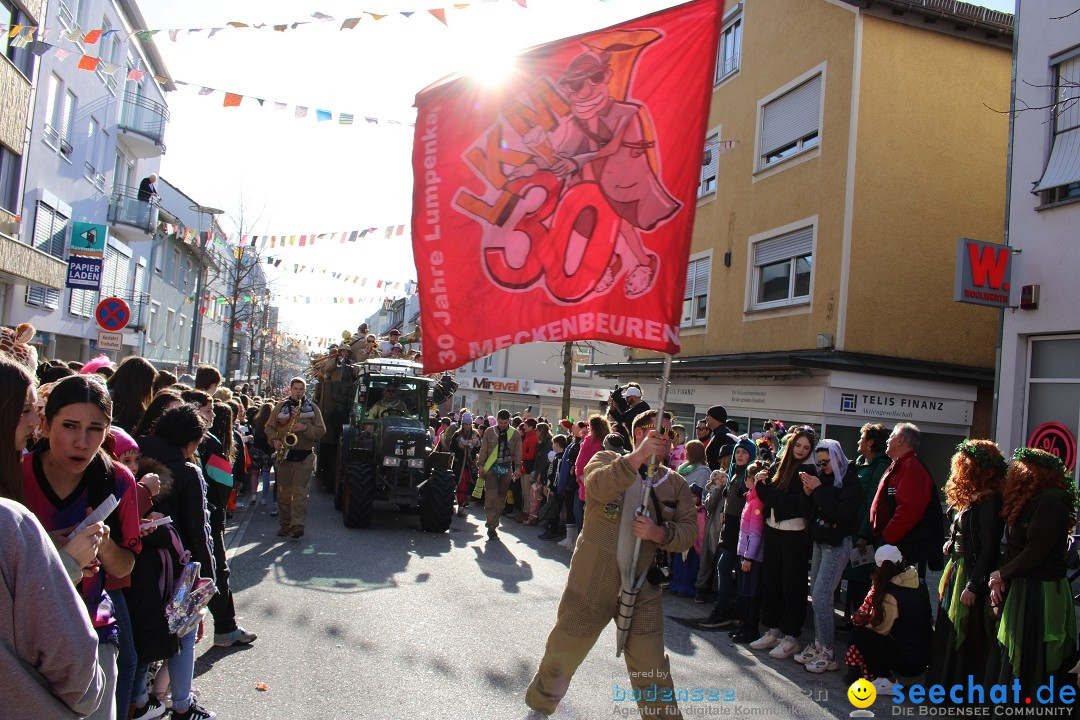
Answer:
(926, 539)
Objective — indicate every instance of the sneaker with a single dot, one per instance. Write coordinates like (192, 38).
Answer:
(785, 649)
(262, 502)
(699, 597)
(719, 618)
(194, 712)
(884, 686)
(273, 511)
(825, 661)
(461, 512)
(492, 535)
(152, 709)
(808, 654)
(239, 636)
(766, 642)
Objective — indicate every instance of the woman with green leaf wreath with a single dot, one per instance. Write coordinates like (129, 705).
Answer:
(965, 627)
(1037, 631)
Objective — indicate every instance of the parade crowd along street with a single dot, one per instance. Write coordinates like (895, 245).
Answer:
(119, 481)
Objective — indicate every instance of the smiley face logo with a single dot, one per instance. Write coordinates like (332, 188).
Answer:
(862, 694)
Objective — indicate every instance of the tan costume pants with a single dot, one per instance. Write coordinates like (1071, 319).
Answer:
(293, 484)
(495, 489)
(579, 624)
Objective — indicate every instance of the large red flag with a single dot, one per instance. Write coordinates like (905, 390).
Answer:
(559, 205)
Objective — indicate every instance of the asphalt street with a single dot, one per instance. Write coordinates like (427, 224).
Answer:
(394, 622)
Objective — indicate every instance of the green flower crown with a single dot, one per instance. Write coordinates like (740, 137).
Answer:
(1039, 457)
(982, 458)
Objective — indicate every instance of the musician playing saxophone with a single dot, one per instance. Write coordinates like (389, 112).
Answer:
(297, 419)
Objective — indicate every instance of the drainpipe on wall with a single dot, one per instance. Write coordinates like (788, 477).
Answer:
(1008, 215)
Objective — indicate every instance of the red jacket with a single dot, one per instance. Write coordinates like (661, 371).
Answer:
(528, 449)
(908, 483)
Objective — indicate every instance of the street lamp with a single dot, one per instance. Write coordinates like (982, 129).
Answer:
(196, 320)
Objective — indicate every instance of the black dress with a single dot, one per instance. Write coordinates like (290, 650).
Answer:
(964, 636)
(1038, 602)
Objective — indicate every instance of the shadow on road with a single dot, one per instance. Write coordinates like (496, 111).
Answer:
(496, 561)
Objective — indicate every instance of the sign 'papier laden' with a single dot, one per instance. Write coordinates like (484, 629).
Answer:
(559, 205)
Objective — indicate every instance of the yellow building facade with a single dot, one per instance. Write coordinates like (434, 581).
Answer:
(848, 149)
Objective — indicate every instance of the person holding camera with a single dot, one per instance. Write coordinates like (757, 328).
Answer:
(614, 490)
(625, 404)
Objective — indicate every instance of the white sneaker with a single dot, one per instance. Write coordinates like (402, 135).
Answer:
(262, 501)
(809, 654)
(766, 641)
(884, 686)
(825, 661)
(785, 649)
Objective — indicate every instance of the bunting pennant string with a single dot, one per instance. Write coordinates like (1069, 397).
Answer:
(279, 241)
(93, 35)
(408, 287)
(231, 99)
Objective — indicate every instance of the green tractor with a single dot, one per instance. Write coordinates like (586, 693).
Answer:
(385, 451)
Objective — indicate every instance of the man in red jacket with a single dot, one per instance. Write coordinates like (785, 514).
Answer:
(528, 460)
(902, 497)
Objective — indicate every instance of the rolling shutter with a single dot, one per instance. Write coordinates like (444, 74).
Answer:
(791, 117)
(785, 247)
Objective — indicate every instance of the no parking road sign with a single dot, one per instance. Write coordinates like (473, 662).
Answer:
(112, 314)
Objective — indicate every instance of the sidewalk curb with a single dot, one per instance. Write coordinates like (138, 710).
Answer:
(235, 537)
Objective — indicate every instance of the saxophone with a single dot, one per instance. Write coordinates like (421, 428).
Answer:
(290, 439)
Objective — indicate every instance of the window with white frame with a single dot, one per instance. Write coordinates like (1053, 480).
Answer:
(70, 13)
(489, 363)
(81, 303)
(176, 268)
(54, 107)
(180, 333)
(730, 49)
(696, 294)
(170, 323)
(152, 325)
(108, 47)
(94, 144)
(1053, 387)
(783, 267)
(50, 236)
(1061, 177)
(581, 358)
(709, 166)
(791, 123)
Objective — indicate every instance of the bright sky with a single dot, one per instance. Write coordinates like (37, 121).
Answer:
(300, 176)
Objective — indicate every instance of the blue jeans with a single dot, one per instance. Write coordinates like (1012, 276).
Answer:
(826, 569)
(725, 585)
(181, 671)
(126, 660)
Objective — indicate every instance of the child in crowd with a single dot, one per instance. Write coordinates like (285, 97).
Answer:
(894, 628)
(750, 551)
(677, 456)
(684, 566)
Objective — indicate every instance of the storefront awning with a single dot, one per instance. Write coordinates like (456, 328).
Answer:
(1063, 167)
(780, 365)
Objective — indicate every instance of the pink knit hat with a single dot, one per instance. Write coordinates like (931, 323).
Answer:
(122, 441)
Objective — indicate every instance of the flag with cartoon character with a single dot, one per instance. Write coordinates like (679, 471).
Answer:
(559, 204)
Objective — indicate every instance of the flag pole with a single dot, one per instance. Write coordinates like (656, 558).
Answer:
(628, 596)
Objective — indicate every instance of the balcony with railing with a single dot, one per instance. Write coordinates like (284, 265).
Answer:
(125, 208)
(23, 264)
(143, 122)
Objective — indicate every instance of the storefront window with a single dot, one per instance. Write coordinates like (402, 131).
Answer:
(1054, 386)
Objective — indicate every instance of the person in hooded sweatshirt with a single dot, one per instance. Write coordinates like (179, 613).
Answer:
(837, 495)
(727, 511)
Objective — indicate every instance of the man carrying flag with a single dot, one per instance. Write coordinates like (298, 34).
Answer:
(613, 492)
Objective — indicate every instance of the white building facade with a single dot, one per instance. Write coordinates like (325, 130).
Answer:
(94, 135)
(1039, 389)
